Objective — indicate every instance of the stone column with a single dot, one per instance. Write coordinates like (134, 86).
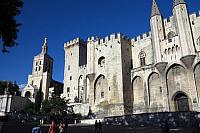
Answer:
(161, 68)
(188, 62)
(192, 90)
(91, 91)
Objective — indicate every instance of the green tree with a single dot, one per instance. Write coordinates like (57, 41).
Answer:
(9, 9)
(55, 105)
(38, 100)
(10, 87)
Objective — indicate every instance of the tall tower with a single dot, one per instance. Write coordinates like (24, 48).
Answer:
(183, 27)
(157, 30)
(41, 76)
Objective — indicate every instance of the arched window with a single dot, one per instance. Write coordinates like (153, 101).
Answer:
(198, 41)
(142, 56)
(101, 61)
(170, 36)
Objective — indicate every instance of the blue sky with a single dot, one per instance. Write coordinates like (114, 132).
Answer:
(63, 20)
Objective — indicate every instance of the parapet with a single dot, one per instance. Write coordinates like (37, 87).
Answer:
(195, 14)
(73, 42)
(111, 38)
(141, 37)
(168, 20)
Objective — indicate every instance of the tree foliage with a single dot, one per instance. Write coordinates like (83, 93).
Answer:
(10, 88)
(55, 105)
(38, 100)
(9, 9)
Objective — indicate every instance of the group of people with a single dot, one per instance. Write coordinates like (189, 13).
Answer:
(98, 127)
(60, 127)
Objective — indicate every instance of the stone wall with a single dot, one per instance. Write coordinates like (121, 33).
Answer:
(174, 119)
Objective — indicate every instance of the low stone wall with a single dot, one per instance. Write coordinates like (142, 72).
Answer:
(174, 119)
(90, 121)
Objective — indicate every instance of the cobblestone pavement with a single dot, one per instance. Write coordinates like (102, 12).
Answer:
(26, 128)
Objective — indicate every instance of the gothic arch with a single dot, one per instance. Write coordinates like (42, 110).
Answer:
(176, 79)
(155, 92)
(138, 94)
(27, 94)
(181, 101)
(100, 89)
(197, 79)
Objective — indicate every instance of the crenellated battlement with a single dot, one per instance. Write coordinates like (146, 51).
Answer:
(111, 38)
(73, 42)
(168, 20)
(195, 14)
(141, 37)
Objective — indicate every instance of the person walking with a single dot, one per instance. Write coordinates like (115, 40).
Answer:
(100, 127)
(165, 127)
(196, 127)
(66, 125)
(96, 126)
(52, 128)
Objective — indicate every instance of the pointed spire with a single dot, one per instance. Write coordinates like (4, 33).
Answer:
(177, 2)
(155, 9)
(45, 47)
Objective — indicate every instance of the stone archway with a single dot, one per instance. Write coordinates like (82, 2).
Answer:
(155, 93)
(100, 89)
(197, 79)
(28, 94)
(177, 80)
(181, 102)
(138, 95)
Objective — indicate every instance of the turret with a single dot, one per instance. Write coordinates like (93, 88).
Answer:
(183, 27)
(157, 31)
(44, 47)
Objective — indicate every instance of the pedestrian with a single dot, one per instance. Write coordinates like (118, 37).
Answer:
(165, 127)
(66, 125)
(52, 128)
(61, 127)
(96, 126)
(100, 127)
(196, 127)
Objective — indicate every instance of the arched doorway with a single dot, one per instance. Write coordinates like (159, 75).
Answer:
(28, 94)
(181, 102)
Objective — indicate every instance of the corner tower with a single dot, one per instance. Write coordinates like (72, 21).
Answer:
(157, 30)
(183, 27)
